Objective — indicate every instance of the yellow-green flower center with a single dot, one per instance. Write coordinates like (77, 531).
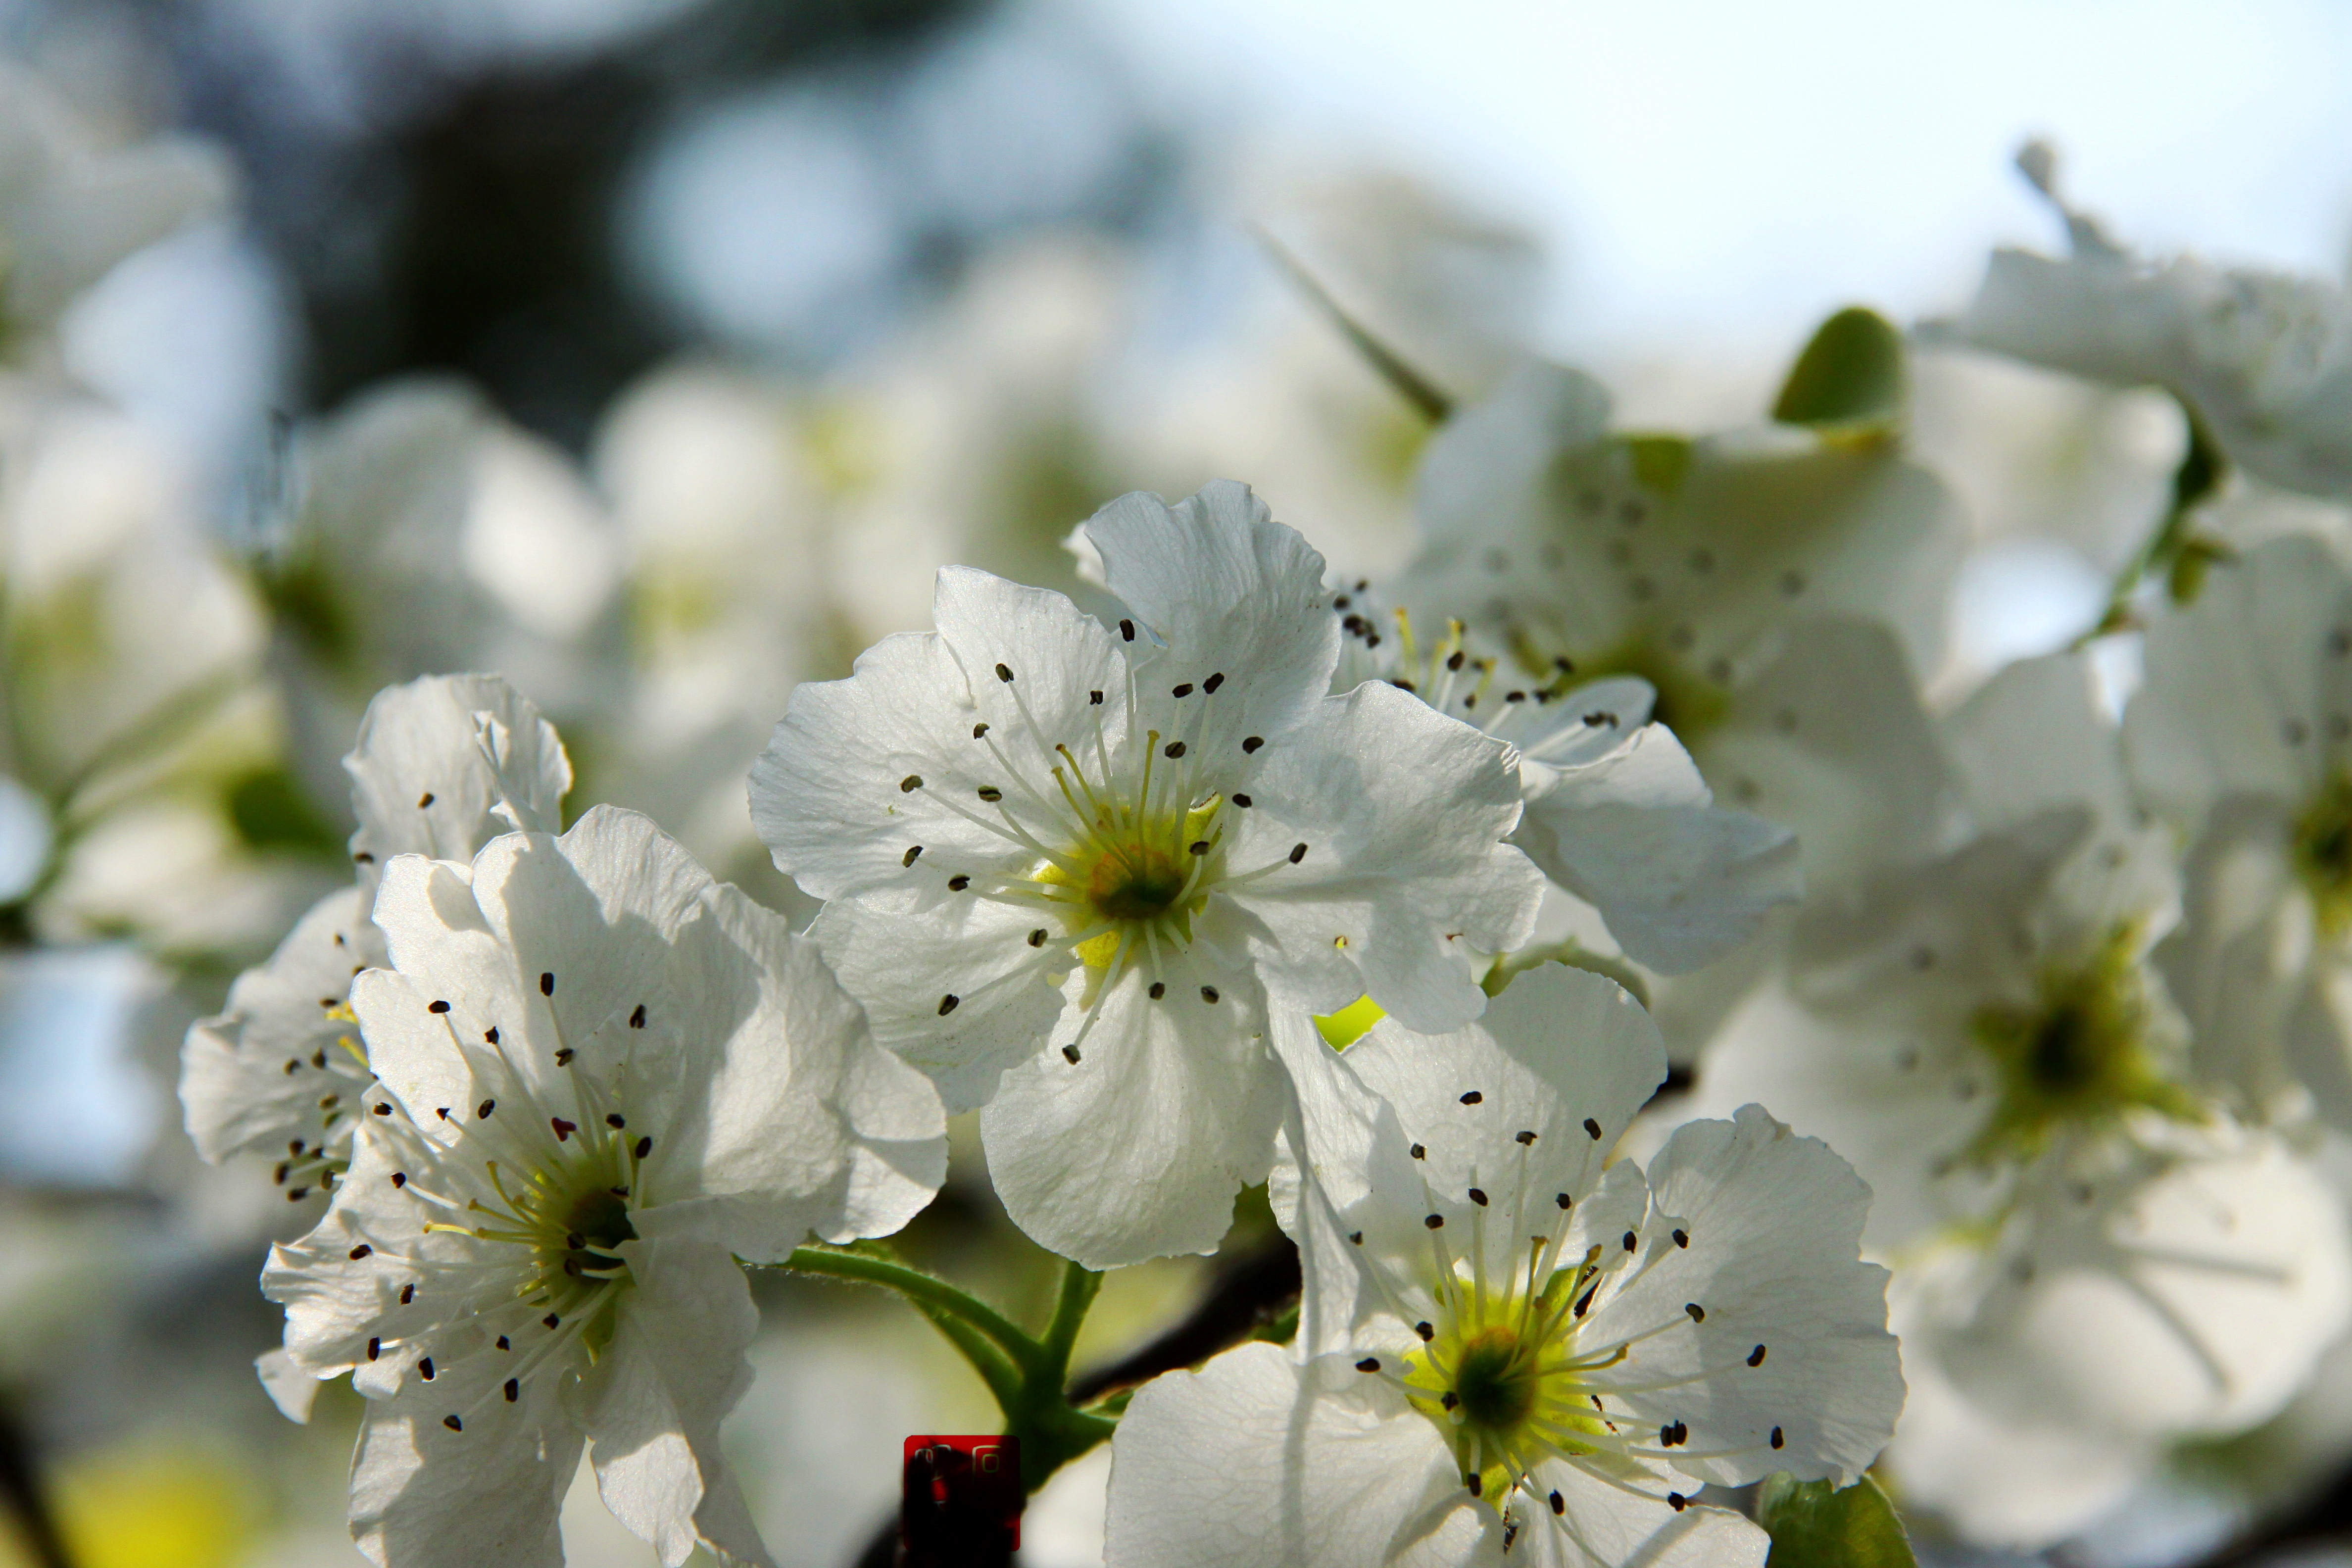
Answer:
(2079, 1054)
(2323, 854)
(1500, 1376)
(1142, 870)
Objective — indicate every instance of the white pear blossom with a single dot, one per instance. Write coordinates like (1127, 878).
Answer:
(71, 208)
(2264, 357)
(1775, 588)
(1616, 811)
(1087, 859)
(1991, 1040)
(2240, 739)
(602, 1077)
(1513, 1349)
(442, 766)
(430, 534)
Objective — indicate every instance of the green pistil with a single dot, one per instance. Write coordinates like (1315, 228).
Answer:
(1495, 1381)
(2323, 854)
(2076, 1056)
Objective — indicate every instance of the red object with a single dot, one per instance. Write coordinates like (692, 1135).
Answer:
(960, 1506)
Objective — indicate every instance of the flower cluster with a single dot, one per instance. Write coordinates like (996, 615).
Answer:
(1698, 1035)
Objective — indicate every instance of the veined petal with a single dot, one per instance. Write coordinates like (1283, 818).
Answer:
(1257, 1460)
(1636, 834)
(1413, 888)
(252, 1079)
(1220, 580)
(653, 1405)
(1789, 1362)
(447, 764)
(1136, 1148)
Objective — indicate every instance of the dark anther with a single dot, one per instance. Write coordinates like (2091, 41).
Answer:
(1472, 1097)
(991, 794)
(1038, 937)
(637, 1017)
(1208, 994)
(362, 1250)
(616, 1120)
(1158, 989)
(514, 1390)
(483, 1110)
(425, 800)
(1435, 1222)
(1523, 1137)
(1172, 750)
(1127, 630)
(1213, 682)
(1593, 1128)
(1756, 1356)
(644, 1147)
(564, 1129)
(1697, 1314)
(958, 882)
(1297, 852)
(1183, 691)
(1478, 1196)
(911, 856)
(437, 1006)
(1005, 674)
(1070, 1055)
(1682, 1236)
(947, 1004)
(547, 983)
(1243, 800)
(452, 1422)
(910, 784)
(1370, 1364)
(1252, 743)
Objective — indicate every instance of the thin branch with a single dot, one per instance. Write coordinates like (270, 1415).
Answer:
(1433, 402)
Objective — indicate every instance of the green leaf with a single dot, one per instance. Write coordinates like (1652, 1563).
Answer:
(1813, 1526)
(1850, 375)
(270, 812)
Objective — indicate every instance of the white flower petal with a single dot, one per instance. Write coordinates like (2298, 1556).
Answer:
(447, 764)
(1603, 1526)
(1221, 583)
(653, 1405)
(2244, 692)
(425, 1497)
(794, 1121)
(1136, 1150)
(251, 1077)
(1828, 738)
(1256, 1461)
(1636, 834)
(1792, 1339)
(1408, 810)
(1006, 1002)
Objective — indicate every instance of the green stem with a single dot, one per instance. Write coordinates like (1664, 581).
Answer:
(1027, 1377)
(994, 1367)
(2202, 469)
(926, 1290)
(1428, 399)
(1078, 1286)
